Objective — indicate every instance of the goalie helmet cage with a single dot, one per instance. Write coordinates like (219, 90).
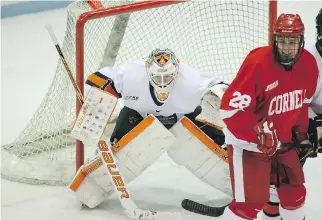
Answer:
(213, 36)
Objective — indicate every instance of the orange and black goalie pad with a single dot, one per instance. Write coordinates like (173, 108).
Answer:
(103, 82)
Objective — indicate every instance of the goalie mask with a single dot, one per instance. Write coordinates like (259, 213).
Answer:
(288, 39)
(162, 68)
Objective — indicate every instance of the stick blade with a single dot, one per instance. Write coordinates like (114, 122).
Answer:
(202, 209)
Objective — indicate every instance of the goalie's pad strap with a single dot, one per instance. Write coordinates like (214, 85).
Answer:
(205, 139)
(133, 133)
(209, 123)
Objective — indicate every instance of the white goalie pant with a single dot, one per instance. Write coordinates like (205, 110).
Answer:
(134, 153)
(200, 155)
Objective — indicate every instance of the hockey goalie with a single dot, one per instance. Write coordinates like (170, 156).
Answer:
(168, 107)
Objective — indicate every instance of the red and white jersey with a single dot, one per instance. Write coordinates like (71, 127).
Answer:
(316, 104)
(263, 89)
(132, 82)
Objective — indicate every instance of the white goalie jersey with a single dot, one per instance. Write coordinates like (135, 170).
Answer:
(317, 98)
(132, 82)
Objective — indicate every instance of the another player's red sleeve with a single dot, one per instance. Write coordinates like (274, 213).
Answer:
(238, 104)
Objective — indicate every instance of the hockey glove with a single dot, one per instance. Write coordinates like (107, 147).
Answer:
(301, 144)
(267, 138)
(315, 134)
(304, 147)
(210, 106)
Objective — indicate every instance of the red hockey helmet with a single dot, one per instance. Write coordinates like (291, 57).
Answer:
(289, 25)
(288, 39)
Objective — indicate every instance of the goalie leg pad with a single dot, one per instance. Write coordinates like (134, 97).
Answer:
(138, 149)
(200, 155)
(90, 185)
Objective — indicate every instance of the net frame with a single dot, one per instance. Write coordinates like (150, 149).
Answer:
(118, 10)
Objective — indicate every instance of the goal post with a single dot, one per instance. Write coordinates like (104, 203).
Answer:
(213, 36)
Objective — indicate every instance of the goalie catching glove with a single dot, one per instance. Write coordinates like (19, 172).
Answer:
(210, 105)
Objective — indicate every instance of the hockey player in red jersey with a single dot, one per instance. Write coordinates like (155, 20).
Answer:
(271, 209)
(264, 107)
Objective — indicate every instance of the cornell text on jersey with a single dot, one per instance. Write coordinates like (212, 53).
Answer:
(286, 102)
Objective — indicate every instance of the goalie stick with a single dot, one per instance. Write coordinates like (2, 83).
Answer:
(202, 209)
(109, 162)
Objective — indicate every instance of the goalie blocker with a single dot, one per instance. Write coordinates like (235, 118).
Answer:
(92, 119)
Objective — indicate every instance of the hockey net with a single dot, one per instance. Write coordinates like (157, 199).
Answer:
(213, 36)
